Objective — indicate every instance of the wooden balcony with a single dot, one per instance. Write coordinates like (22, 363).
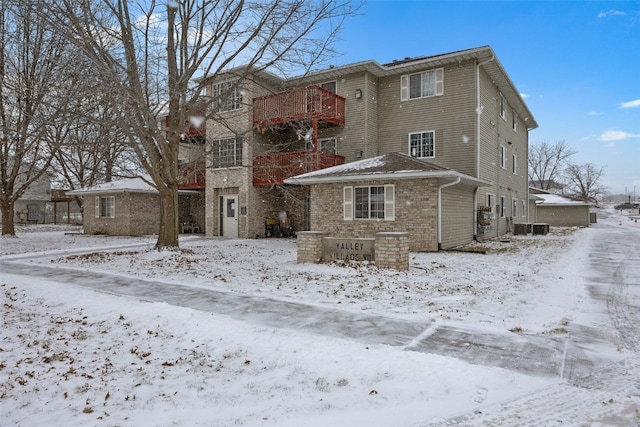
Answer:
(274, 168)
(311, 102)
(192, 175)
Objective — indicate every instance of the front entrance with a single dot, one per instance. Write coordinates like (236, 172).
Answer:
(229, 215)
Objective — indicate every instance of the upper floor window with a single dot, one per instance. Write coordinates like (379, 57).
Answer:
(422, 144)
(422, 85)
(514, 124)
(503, 157)
(369, 202)
(227, 96)
(503, 107)
(330, 86)
(105, 207)
(515, 165)
(328, 145)
(226, 153)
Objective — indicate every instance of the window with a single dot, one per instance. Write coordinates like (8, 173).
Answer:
(422, 85)
(226, 153)
(328, 145)
(524, 208)
(514, 208)
(491, 201)
(503, 107)
(515, 164)
(422, 144)
(330, 86)
(369, 202)
(227, 95)
(105, 207)
(503, 157)
(502, 209)
(514, 124)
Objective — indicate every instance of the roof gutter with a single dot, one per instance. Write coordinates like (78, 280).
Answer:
(449, 184)
(447, 174)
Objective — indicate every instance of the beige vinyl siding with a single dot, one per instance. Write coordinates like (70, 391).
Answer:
(451, 116)
(496, 132)
(564, 216)
(457, 216)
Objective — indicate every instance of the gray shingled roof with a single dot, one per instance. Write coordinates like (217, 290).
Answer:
(387, 166)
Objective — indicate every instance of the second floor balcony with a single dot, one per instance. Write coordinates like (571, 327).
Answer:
(309, 103)
(192, 175)
(274, 168)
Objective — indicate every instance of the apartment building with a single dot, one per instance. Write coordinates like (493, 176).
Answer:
(275, 150)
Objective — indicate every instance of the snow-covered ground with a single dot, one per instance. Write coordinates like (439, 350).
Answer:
(75, 351)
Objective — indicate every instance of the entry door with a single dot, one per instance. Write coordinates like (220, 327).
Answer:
(229, 213)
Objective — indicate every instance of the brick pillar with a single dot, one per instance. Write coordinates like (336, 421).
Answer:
(392, 250)
(309, 246)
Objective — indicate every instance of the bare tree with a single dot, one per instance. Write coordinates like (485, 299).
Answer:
(34, 92)
(151, 55)
(94, 150)
(546, 163)
(583, 182)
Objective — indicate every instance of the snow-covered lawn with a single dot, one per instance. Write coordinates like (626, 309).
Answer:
(73, 356)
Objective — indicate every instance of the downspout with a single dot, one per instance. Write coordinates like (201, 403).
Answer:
(478, 114)
(457, 181)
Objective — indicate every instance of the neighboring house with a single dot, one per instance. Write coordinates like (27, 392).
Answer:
(127, 207)
(457, 118)
(557, 210)
(31, 207)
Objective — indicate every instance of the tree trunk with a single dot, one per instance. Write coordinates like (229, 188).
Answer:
(168, 232)
(8, 223)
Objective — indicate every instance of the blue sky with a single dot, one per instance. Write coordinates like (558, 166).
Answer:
(576, 63)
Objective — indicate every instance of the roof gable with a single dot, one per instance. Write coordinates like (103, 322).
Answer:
(391, 166)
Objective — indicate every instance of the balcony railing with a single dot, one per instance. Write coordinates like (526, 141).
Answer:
(192, 175)
(274, 168)
(311, 102)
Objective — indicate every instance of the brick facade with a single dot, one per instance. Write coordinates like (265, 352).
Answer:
(416, 205)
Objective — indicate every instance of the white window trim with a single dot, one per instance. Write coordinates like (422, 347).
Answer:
(438, 90)
(348, 206)
(220, 103)
(112, 207)
(515, 164)
(514, 125)
(491, 201)
(309, 144)
(329, 82)
(433, 132)
(524, 209)
(514, 207)
(503, 157)
(503, 107)
(502, 209)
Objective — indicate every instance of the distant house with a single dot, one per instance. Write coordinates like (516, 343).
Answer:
(127, 207)
(31, 207)
(457, 118)
(557, 210)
